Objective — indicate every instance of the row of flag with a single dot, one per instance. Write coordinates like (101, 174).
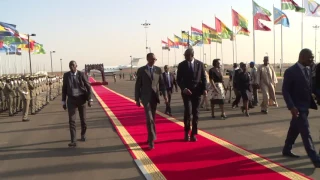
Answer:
(12, 42)
(207, 34)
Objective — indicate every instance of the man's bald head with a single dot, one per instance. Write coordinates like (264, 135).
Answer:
(306, 57)
(73, 66)
(188, 54)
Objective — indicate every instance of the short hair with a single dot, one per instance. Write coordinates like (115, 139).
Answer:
(215, 61)
(190, 49)
(72, 61)
(149, 55)
(303, 52)
(166, 66)
(242, 64)
(266, 57)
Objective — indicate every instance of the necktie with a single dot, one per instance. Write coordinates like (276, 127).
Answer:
(190, 67)
(75, 85)
(306, 73)
(151, 72)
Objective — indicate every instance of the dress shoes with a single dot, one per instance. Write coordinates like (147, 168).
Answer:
(316, 164)
(25, 120)
(72, 144)
(193, 138)
(151, 145)
(290, 154)
(186, 136)
(83, 138)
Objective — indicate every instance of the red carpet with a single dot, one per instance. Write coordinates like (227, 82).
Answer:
(176, 159)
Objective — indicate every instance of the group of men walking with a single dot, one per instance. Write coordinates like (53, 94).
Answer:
(27, 93)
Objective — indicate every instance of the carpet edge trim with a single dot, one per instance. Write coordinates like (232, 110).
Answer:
(131, 144)
(276, 167)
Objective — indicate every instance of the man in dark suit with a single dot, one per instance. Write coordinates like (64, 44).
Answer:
(169, 81)
(78, 90)
(297, 93)
(192, 82)
(148, 84)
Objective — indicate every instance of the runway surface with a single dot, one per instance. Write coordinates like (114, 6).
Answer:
(38, 149)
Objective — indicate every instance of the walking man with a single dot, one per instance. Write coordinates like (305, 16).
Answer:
(297, 93)
(254, 84)
(169, 81)
(78, 90)
(148, 84)
(192, 81)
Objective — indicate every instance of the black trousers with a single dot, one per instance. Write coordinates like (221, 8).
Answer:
(191, 105)
(168, 107)
(300, 126)
(238, 97)
(74, 104)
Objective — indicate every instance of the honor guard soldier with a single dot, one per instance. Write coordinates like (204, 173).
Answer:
(25, 96)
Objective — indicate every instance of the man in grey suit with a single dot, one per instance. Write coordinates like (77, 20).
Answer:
(78, 90)
(148, 84)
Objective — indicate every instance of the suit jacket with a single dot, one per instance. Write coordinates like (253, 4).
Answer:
(195, 82)
(146, 88)
(173, 81)
(296, 91)
(84, 85)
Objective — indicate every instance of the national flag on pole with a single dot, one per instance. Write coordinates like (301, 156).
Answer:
(260, 12)
(172, 44)
(280, 18)
(291, 5)
(313, 8)
(178, 40)
(210, 34)
(164, 45)
(196, 34)
(243, 31)
(259, 26)
(238, 20)
(39, 49)
(185, 36)
(225, 32)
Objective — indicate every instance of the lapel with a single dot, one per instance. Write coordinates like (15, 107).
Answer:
(302, 75)
(195, 67)
(148, 72)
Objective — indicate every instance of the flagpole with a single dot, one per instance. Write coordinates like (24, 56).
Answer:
(202, 44)
(281, 51)
(235, 44)
(175, 57)
(254, 41)
(210, 51)
(168, 55)
(274, 43)
(222, 58)
(232, 39)
(302, 27)
(161, 53)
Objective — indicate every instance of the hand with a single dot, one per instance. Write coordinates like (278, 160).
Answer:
(294, 112)
(187, 91)
(90, 103)
(64, 107)
(205, 92)
(138, 103)
(165, 100)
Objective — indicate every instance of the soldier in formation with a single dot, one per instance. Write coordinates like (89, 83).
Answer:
(28, 94)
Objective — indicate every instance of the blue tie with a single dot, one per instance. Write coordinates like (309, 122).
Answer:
(151, 72)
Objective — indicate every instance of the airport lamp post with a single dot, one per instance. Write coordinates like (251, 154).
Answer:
(61, 66)
(188, 36)
(146, 25)
(51, 60)
(131, 68)
(316, 27)
(29, 51)
(205, 58)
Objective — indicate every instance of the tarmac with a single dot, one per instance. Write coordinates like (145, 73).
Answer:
(39, 149)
